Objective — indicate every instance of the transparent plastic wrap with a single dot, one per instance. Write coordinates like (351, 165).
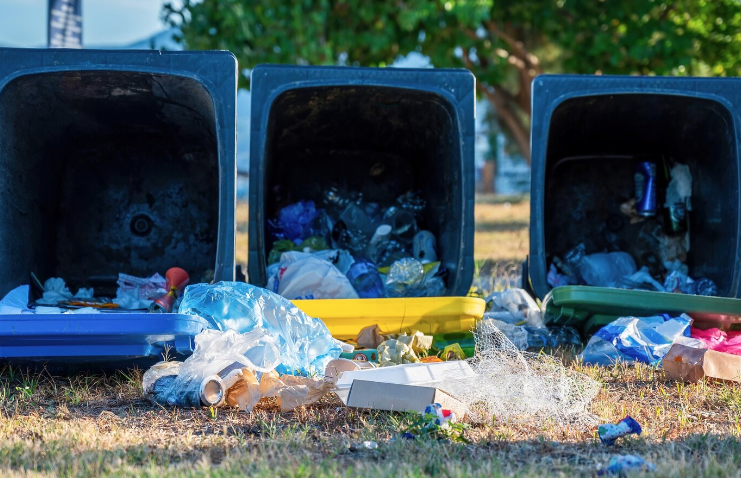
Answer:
(305, 344)
(215, 366)
(406, 278)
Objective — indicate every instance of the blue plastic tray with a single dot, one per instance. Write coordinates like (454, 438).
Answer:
(116, 338)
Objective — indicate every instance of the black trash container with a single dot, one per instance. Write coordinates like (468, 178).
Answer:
(116, 161)
(588, 132)
(379, 131)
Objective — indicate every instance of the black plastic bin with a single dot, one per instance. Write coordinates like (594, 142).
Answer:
(315, 127)
(586, 134)
(116, 161)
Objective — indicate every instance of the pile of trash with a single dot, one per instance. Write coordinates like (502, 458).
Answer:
(667, 228)
(262, 347)
(353, 248)
(141, 294)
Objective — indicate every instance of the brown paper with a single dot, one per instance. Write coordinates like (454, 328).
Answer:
(369, 337)
(689, 364)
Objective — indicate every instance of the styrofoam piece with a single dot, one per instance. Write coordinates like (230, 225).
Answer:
(407, 374)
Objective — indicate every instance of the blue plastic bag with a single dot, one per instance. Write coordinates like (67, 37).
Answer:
(295, 220)
(305, 343)
(634, 339)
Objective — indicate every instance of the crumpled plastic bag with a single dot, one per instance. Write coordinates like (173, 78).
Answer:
(139, 292)
(514, 306)
(304, 276)
(217, 355)
(295, 220)
(636, 339)
(305, 344)
(719, 340)
(56, 291)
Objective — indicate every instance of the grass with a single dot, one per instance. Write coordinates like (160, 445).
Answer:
(93, 425)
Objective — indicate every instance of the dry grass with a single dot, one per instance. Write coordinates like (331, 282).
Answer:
(100, 426)
(87, 425)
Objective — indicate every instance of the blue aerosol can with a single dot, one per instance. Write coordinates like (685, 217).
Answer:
(645, 184)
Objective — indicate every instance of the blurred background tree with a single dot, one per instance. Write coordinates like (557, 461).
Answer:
(504, 43)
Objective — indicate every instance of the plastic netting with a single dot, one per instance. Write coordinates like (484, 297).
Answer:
(515, 386)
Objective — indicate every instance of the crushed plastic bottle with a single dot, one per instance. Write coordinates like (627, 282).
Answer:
(402, 222)
(406, 278)
(366, 280)
(305, 344)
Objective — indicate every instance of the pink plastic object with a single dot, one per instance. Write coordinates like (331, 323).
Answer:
(176, 280)
(720, 341)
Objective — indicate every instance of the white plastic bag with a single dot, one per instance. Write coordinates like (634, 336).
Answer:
(304, 276)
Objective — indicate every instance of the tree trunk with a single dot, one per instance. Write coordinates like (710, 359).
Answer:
(488, 174)
(507, 113)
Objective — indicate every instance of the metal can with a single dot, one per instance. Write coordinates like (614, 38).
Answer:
(645, 185)
(677, 218)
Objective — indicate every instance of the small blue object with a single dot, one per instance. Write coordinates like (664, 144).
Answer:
(295, 220)
(306, 346)
(610, 432)
(622, 464)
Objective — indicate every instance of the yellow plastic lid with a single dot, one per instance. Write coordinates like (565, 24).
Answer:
(430, 315)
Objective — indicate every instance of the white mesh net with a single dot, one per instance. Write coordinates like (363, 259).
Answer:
(510, 385)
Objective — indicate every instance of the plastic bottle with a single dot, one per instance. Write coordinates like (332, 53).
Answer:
(425, 246)
(402, 222)
(406, 278)
(366, 280)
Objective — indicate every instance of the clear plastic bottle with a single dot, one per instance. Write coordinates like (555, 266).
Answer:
(366, 280)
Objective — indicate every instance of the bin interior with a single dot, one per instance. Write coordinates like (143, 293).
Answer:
(592, 144)
(104, 172)
(379, 141)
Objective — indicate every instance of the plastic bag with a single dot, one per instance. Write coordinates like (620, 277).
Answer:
(217, 355)
(305, 344)
(139, 292)
(606, 269)
(406, 278)
(295, 221)
(634, 339)
(304, 276)
(522, 309)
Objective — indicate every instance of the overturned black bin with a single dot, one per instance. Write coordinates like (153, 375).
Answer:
(116, 161)
(588, 132)
(378, 131)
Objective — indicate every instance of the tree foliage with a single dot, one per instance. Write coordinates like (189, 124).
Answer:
(505, 43)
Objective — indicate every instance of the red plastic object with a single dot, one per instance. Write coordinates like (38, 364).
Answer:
(176, 280)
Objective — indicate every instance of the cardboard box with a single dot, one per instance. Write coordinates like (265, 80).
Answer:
(689, 364)
(400, 398)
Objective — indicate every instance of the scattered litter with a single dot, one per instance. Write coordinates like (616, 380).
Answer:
(403, 349)
(690, 364)
(228, 368)
(400, 398)
(306, 346)
(369, 337)
(139, 292)
(366, 445)
(453, 352)
(622, 464)
(175, 281)
(56, 291)
(514, 306)
(610, 432)
(305, 276)
(508, 384)
(719, 340)
(631, 339)
(436, 422)
(16, 301)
